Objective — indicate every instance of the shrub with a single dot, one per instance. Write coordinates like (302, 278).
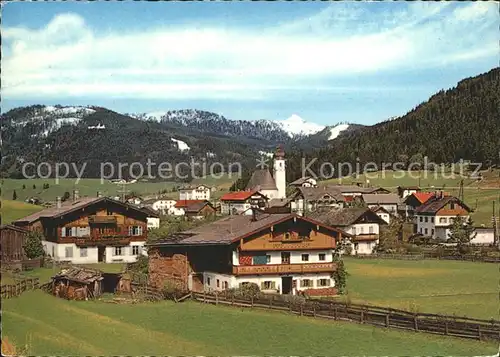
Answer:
(33, 247)
(348, 249)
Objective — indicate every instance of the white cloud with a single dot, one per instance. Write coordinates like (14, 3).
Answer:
(68, 58)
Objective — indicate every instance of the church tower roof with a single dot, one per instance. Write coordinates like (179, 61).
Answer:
(261, 180)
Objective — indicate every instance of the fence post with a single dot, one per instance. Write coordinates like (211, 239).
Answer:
(232, 299)
(204, 297)
(387, 316)
(479, 332)
(252, 301)
(446, 327)
(335, 317)
(216, 299)
(290, 306)
(362, 317)
(270, 302)
(415, 323)
(301, 309)
(314, 309)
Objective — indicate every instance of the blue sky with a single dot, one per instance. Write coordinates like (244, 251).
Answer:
(327, 62)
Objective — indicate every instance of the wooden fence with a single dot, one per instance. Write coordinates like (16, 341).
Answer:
(422, 256)
(365, 314)
(14, 290)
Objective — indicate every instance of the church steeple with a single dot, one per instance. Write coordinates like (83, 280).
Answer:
(280, 172)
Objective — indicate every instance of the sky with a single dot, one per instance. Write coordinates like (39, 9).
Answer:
(328, 62)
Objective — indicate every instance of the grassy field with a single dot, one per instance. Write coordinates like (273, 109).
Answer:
(12, 210)
(444, 287)
(51, 326)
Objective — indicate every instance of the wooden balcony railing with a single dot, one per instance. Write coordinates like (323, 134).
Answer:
(284, 268)
(365, 237)
(102, 219)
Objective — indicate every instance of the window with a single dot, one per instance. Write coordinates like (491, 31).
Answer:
(322, 256)
(452, 205)
(432, 232)
(426, 231)
(118, 251)
(432, 219)
(68, 232)
(208, 281)
(361, 230)
(287, 236)
(442, 220)
(306, 283)
(305, 257)
(268, 285)
(356, 246)
(135, 249)
(218, 283)
(226, 285)
(109, 212)
(285, 258)
(268, 259)
(135, 230)
(68, 252)
(83, 252)
(426, 219)
(324, 282)
(421, 219)
(370, 230)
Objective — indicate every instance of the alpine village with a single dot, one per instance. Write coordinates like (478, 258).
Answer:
(273, 237)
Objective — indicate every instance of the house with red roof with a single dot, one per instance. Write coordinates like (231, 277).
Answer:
(415, 200)
(241, 201)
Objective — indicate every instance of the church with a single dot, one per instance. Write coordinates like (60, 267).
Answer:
(273, 187)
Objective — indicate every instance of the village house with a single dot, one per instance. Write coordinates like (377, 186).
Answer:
(405, 191)
(310, 199)
(90, 230)
(163, 205)
(362, 224)
(200, 192)
(269, 186)
(389, 201)
(414, 200)
(281, 253)
(153, 218)
(356, 191)
(241, 201)
(382, 213)
(306, 181)
(196, 209)
(435, 217)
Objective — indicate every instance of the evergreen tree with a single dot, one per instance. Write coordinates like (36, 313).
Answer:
(34, 187)
(462, 232)
(24, 187)
(14, 195)
(65, 196)
(33, 247)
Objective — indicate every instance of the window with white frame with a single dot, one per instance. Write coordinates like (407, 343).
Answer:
(268, 285)
(323, 282)
(321, 256)
(305, 257)
(370, 230)
(442, 220)
(68, 252)
(135, 249)
(118, 251)
(306, 283)
(135, 230)
(83, 252)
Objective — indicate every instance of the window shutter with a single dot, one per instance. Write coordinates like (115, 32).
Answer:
(273, 285)
(63, 232)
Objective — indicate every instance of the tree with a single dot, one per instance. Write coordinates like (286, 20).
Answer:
(24, 187)
(33, 247)
(34, 187)
(14, 195)
(462, 232)
(340, 277)
(65, 196)
(389, 235)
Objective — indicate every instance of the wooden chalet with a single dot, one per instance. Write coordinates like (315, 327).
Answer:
(195, 208)
(241, 201)
(90, 230)
(281, 253)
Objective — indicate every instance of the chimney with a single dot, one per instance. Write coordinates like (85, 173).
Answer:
(76, 195)
(254, 214)
(99, 194)
(58, 201)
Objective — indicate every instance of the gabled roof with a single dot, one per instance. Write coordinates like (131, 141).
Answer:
(377, 209)
(240, 195)
(70, 206)
(261, 180)
(381, 198)
(198, 206)
(422, 197)
(233, 228)
(301, 180)
(149, 211)
(345, 216)
(355, 189)
(433, 205)
(187, 203)
(316, 193)
(14, 228)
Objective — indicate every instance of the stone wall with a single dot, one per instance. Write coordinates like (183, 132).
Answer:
(173, 268)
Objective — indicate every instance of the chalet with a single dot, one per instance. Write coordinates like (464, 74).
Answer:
(361, 223)
(306, 181)
(194, 208)
(382, 213)
(163, 205)
(435, 217)
(415, 200)
(281, 253)
(405, 191)
(241, 201)
(200, 192)
(90, 230)
(12, 241)
(310, 199)
(389, 201)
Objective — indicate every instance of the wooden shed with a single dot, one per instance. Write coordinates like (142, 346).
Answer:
(12, 241)
(77, 284)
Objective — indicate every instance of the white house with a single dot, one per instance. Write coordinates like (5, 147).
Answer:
(382, 213)
(164, 205)
(241, 201)
(361, 223)
(435, 217)
(200, 192)
(389, 201)
(484, 236)
(306, 181)
(405, 191)
(310, 199)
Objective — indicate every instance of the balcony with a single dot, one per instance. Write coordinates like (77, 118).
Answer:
(283, 268)
(102, 219)
(365, 237)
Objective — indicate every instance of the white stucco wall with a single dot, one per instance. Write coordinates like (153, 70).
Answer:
(483, 236)
(385, 216)
(227, 207)
(153, 222)
(199, 193)
(295, 256)
(259, 279)
(363, 228)
(364, 247)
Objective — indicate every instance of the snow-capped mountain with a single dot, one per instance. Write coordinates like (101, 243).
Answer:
(295, 126)
(336, 130)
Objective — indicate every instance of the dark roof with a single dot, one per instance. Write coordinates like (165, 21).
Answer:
(232, 228)
(14, 228)
(436, 203)
(379, 209)
(355, 189)
(381, 198)
(198, 206)
(343, 216)
(187, 203)
(261, 180)
(316, 193)
(70, 206)
(301, 180)
(81, 275)
(408, 187)
(149, 211)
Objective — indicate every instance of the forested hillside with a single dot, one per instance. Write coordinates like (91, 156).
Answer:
(459, 123)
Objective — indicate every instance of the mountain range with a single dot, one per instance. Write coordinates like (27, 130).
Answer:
(462, 122)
